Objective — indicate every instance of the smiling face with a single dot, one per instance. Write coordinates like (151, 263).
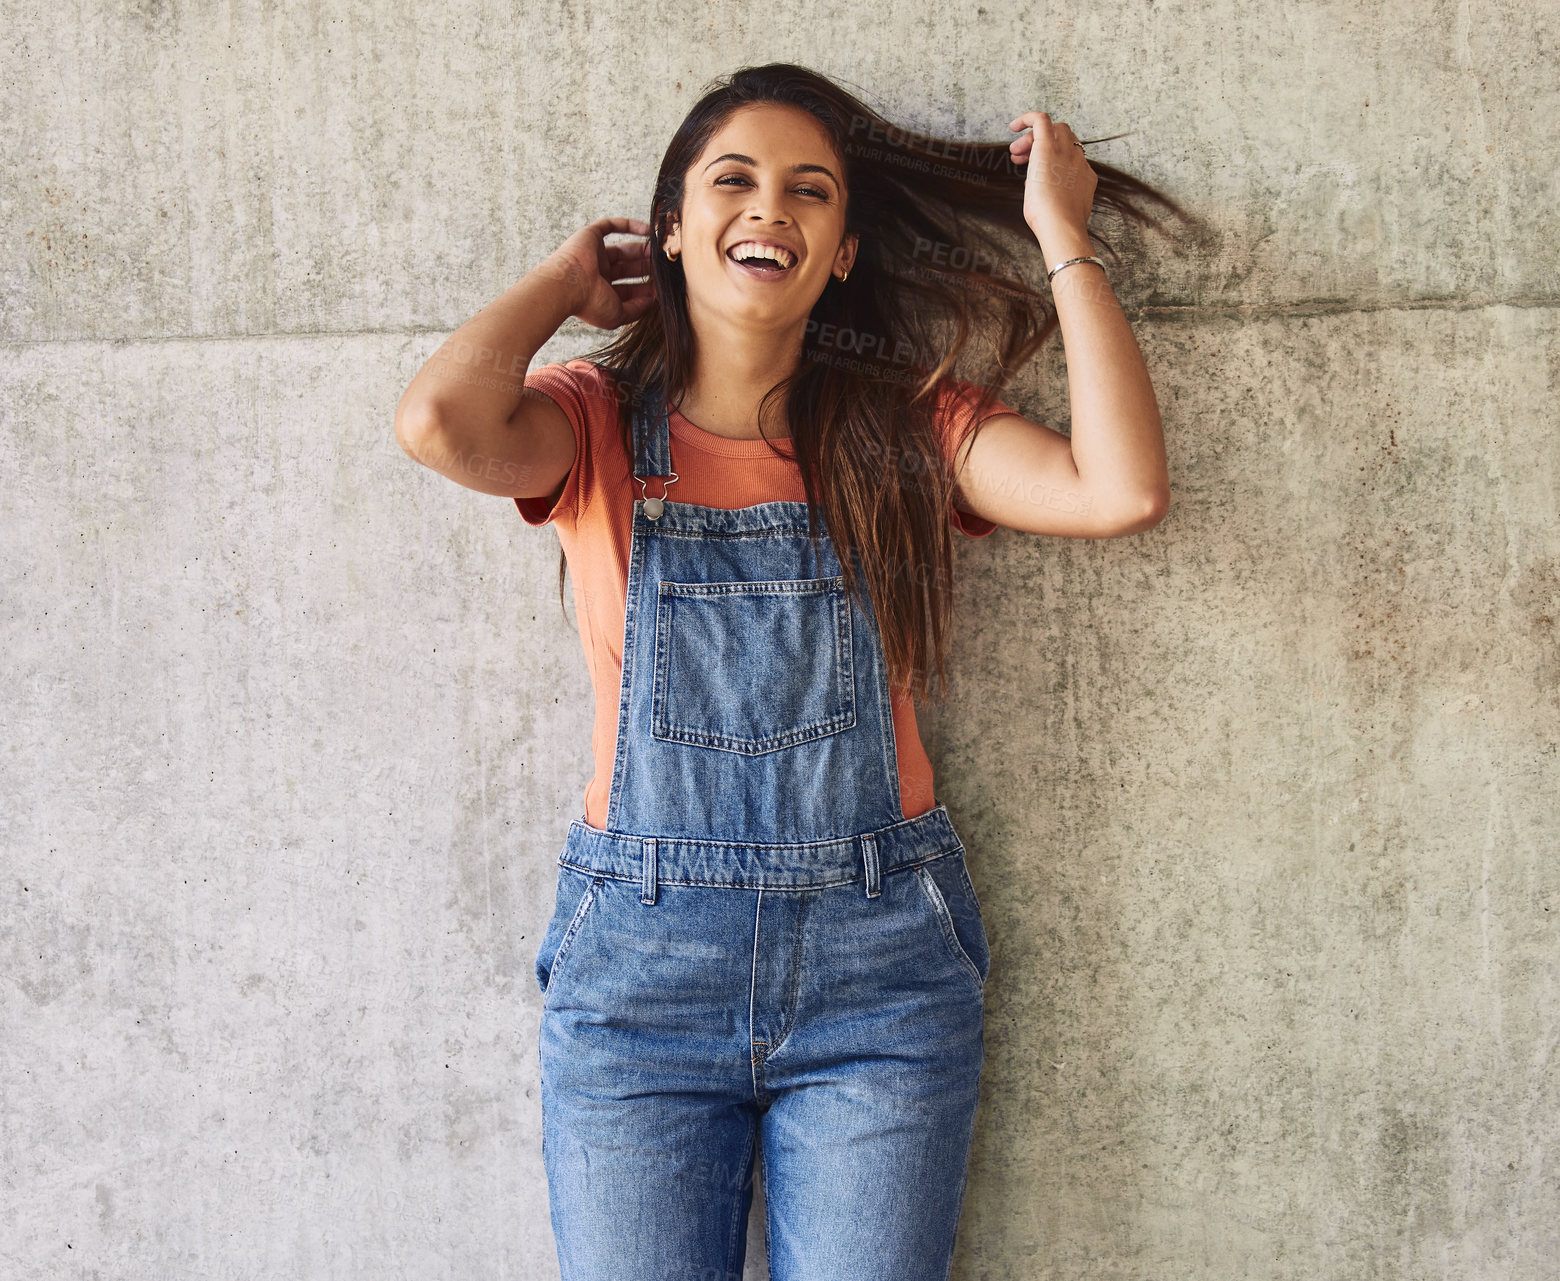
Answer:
(769, 175)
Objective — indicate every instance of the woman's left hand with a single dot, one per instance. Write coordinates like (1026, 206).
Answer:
(1059, 185)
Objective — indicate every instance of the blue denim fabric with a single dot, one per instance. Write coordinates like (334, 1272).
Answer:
(758, 949)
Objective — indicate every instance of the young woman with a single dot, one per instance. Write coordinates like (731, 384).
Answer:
(764, 930)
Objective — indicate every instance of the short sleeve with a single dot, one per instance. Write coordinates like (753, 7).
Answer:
(572, 385)
(957, 401)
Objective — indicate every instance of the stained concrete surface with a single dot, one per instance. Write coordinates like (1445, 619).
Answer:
(1259, 803)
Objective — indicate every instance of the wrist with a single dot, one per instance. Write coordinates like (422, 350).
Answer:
(565, 274)
(1057, 244)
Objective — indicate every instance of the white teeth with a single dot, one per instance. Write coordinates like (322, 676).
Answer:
(752, 249)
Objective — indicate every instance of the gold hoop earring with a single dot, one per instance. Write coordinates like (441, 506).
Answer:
(670, 256)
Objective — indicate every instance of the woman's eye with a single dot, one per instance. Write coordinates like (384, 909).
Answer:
(822, 195)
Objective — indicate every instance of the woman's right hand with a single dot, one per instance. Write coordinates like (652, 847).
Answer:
(593, 269)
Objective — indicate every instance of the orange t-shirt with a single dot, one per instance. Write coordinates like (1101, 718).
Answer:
(593, 515)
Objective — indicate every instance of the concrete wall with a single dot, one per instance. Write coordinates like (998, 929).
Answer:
(1260, 804)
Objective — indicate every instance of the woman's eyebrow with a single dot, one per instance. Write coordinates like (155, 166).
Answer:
(748, 160)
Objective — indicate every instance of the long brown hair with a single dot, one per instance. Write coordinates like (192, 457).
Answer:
(931, 215)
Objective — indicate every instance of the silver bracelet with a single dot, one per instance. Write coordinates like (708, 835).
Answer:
(1069, 263)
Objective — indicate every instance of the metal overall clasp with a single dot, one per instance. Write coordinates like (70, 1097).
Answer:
(655, 506)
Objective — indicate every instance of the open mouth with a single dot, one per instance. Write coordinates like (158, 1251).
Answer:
(757, 263)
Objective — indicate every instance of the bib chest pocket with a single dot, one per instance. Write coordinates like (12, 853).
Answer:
(752, 667)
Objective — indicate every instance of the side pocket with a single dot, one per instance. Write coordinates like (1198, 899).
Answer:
(977, 921)
(576, 892)
(948, 886)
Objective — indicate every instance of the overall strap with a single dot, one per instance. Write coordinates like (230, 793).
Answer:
(652, 443)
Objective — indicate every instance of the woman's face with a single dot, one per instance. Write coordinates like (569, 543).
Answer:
(772, 175)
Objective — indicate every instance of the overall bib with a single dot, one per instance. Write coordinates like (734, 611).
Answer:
(758, 943)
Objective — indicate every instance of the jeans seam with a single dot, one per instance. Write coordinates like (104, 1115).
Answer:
(736, 1205)
(769, 1204)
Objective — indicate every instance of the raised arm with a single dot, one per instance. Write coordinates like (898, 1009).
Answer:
(467, 413)
(1109, 478)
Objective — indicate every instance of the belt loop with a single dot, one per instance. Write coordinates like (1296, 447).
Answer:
(647, 879)
(869, 858)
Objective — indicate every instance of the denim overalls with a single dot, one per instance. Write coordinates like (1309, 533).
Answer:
(758, 939)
